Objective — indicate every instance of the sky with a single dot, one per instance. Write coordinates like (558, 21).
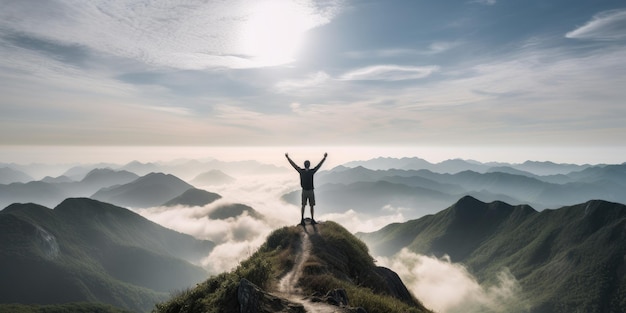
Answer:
(493, 74)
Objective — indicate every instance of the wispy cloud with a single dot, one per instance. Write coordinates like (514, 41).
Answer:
(389, 73)
(484, 2)
(312, 80)
(197, 35)
(433, 48)
(604, 26)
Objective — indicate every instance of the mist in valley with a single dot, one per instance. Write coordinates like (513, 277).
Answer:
(266, 192)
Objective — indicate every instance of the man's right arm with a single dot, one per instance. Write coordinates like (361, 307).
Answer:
(292, 163)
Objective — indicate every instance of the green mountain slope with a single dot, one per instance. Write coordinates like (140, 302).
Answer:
(566, 260)
(86, 250)
(337, 260)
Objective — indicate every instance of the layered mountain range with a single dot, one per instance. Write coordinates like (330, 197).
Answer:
(422, 191)
(558, 229)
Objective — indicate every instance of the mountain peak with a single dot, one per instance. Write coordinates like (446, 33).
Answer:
(468, 201)
(299, 263)
(193, 197)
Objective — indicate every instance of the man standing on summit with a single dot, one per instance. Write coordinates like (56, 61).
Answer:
(306, 181)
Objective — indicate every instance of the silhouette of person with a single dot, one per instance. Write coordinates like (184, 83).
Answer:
(306, 182)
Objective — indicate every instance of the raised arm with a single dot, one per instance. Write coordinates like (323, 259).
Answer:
(292, 163)
(321, 162)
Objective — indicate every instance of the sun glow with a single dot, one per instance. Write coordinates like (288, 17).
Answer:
(275, 30)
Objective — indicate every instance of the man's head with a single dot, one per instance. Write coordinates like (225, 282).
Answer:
(307, 164)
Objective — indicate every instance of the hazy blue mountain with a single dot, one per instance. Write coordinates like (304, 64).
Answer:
(608, 173)
(193, 197)
(140, 168)
(448, 166)
(566, 260)
(371, 197)
(498, 183)
(39, 192)
(100, 178)
(147, 191)
(548, 168)
(51, 191)
(79, 172)
(233, 210)
(458, 165)
(510, 170)
(212, 177)
(58, 179)
(555, 179)
(385, 163)
(9, 175)
(89, 251)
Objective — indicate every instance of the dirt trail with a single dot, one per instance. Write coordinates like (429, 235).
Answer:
(288, 285)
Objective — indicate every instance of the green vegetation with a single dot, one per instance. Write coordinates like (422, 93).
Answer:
(337, 260)
(61, 308)
(219, 293)
(88, 251)
(340, 260)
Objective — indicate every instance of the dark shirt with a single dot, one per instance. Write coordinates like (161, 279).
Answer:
(306, 174)
(306, 178)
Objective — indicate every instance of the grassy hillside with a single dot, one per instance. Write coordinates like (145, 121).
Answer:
(566, 260)
(85, 250)
(338, 260)
(62, 308)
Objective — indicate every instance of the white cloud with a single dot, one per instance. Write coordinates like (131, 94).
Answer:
(358, 222)
(604, 26)
(448, 287)
(236, 238)
(390, 73)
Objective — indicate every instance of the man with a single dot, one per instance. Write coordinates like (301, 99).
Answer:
(306, 181)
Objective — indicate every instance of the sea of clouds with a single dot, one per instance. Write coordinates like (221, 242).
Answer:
(440, 284)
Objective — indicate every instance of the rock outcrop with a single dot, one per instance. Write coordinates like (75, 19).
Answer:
(253, 299)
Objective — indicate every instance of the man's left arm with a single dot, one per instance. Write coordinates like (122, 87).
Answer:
(321, 162)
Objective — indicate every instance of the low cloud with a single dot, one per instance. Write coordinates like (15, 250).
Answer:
(358, 222)
(448, 287)
(236, 238)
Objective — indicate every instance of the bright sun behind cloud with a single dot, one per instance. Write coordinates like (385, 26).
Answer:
(275, 30)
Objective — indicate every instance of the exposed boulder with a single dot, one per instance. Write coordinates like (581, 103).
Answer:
(253, 299)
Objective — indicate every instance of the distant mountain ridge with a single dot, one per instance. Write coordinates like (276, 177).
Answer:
(213, 177)
(9, 175)
(193, 197)
(424, 191)
(86, 250)
(150, 190)
(566, 260)
(51, 191)
(457, 165)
